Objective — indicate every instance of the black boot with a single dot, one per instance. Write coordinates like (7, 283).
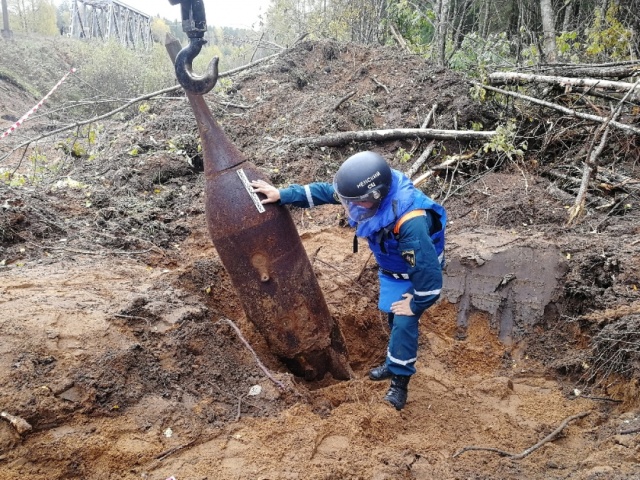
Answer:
(397, 394)
(379, 373)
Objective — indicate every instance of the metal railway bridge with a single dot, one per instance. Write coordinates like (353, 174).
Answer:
(110, 19)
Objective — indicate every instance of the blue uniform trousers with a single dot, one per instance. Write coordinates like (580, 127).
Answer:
(402, 352)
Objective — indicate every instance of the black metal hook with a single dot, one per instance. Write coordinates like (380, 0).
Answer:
(194, 24)
(184, 71)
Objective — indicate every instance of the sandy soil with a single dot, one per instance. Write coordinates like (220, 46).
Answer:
(117, 351)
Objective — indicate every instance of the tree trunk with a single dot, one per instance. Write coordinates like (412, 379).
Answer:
(603, 9)
(567, 21)
(6, 31)
(443, 24)
(459, 23)
(549, 30)
(484, 28)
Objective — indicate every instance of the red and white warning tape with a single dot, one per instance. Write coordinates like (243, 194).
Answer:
(30, 112)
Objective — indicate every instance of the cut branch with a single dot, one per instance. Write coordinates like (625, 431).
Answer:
(20, 424)
(630, 431)
(591, 164)
(430, 116)
(442, 166)
(401, 41)
(529, 450)
(342, 138)
(502, 78)
(594, 118)
(342, 100)
(381, 85)
(255, 356)
(420, 161)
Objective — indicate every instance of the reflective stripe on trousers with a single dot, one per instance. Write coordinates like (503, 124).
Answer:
(402, 352)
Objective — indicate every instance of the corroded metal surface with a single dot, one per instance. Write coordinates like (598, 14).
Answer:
(264, 256)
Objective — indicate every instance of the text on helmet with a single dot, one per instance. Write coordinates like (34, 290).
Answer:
(368, 180)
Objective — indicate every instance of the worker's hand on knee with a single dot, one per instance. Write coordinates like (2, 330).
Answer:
(403, 307)
(271, 192)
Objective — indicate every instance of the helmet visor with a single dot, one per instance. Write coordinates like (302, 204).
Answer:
(361, 208)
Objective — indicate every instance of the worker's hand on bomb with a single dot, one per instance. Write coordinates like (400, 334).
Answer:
(271, 192)
(403, 307)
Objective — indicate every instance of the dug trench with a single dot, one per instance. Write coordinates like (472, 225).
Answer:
(129, 369)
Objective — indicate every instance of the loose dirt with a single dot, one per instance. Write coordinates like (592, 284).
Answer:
(116, 346)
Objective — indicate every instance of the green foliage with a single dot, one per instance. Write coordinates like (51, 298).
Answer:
(135, 151)
(201, 62)
(11, 179)
(402, 155)
(608, 38)
(33, 16)
(569, 46)
(340, 20)
(476, 55)
(478, 93)
(417, 25)
(119, 72)
(78, 145)
(159, 30)
(63, 16)
(503, 143)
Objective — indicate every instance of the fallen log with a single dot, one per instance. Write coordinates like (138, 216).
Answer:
(342, 138)
(593, 70)
(507, 78)
(595, 118)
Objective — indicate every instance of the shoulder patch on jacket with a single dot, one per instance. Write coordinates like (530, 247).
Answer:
(409, 257)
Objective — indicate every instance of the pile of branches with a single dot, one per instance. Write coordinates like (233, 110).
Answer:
(592, 122)
(616, 349)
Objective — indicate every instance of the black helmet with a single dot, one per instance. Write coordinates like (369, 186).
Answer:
(361, 183)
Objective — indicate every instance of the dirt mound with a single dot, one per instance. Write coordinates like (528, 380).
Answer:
(120, 356)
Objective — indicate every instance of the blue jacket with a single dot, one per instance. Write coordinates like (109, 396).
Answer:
(410, 261)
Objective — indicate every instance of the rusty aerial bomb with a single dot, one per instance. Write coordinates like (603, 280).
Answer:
(261, 251)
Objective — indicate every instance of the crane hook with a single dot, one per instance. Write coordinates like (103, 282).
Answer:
(184, 70)
(194, 24)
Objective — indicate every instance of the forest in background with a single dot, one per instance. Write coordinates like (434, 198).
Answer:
(470, 35)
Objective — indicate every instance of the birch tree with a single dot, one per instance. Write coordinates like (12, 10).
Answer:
(548, 31)
(443, 28)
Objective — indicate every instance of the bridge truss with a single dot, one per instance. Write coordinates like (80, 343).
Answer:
(110, 19)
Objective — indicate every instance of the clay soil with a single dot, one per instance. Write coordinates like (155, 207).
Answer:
(116, 346)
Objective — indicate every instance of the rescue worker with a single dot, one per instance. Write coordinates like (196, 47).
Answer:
(405, 232)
